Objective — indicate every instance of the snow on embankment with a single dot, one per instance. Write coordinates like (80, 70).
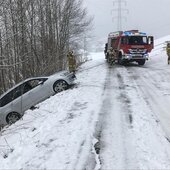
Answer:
(58, 134)
(158, 54)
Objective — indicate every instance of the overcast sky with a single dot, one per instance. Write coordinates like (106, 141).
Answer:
(150, 16)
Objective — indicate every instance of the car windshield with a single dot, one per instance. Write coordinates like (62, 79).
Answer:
(137, 40)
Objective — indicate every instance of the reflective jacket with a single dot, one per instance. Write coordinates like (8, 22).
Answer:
(168, 51)
(71, 62)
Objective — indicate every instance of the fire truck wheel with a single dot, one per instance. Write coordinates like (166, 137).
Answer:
(122, 62)
(120, 59)
(141, 62)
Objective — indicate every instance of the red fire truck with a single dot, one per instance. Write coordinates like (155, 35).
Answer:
(129, 46)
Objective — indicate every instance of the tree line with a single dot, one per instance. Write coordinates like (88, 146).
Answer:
(35, 36)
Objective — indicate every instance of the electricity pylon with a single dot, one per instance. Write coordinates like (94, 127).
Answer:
(119, 10)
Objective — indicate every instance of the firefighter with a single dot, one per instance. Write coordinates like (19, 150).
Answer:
(168, 51)
(112, 56)
(71, 62)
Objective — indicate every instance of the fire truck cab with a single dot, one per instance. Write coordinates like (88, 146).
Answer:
(129, 46)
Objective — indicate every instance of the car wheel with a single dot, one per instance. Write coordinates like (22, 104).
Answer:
(60, 85)
(12, 117)
(141, 62)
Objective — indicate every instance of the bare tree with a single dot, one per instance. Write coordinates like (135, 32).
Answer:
(35, 36)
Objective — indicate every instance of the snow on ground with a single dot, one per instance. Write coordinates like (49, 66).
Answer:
(139, 137)
(53, 135)
(121, 111)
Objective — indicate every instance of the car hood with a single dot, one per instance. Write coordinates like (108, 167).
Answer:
(61, 74)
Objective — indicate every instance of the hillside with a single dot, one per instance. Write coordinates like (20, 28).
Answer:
(114, 118)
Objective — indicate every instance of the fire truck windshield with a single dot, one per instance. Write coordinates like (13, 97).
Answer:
(137, 40)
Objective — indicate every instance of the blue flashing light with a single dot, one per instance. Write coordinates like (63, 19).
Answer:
(127, 33)
(142, 33)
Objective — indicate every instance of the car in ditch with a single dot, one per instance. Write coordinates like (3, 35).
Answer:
(30, 92)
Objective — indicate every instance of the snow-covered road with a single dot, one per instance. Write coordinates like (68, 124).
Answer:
(115, 118)
(132, 136)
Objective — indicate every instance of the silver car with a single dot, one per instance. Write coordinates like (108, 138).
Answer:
(30, 92)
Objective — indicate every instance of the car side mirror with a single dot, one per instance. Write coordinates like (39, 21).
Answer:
(151, 42)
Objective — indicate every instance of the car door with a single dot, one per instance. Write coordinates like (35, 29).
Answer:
(16, 102)
(34, 91)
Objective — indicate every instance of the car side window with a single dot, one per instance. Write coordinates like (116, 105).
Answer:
(6, 99)
(9, 97)
(17, 92)
(20, 90)
(26, 87)
(35, 83)
(29, 85)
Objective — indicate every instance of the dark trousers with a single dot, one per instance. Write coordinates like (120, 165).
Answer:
(168, 59)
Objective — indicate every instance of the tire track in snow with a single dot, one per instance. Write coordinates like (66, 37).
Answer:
(99, 126)
(93, 161)
(125, 99)
(113, 124)
(87, 157)
(154, 96)
(151, 134)
(129, 134)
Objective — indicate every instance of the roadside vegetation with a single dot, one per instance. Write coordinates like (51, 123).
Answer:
(35, 37)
